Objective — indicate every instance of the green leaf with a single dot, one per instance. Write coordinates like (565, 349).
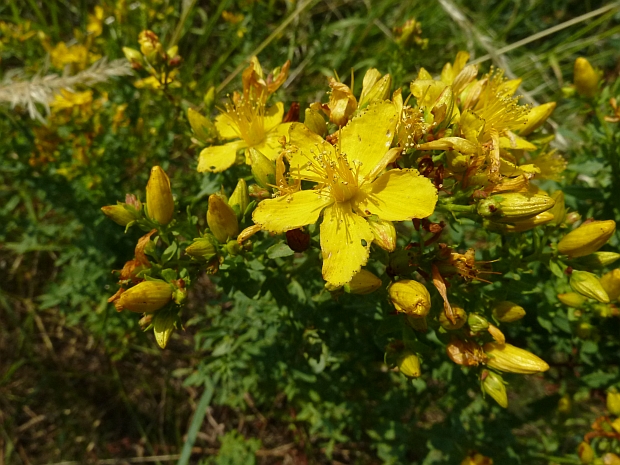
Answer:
(279, 250)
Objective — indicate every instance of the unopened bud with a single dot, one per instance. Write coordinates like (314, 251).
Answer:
(149, 44)
(585, 78)
(203, 127)
(514, 206)
(145, 297)
(409, 364)
(263, 169)
(258, 192)
(315, 122)
(587, 238)
(418, 323)
(163, 326)
(209, 98)
(384, 234)
(587, 284)
(202, 248)
(240, 198)
(584, 330)
(373, 89)
(565, 404)
(221, 219)
(159, 201)
(477, 459)
(459, 315)
(121, 213)
(559, 209)
(233, 247)
(536, 117)
(477, 323)
(598, 259)
(506, 357)
(363, 282)
(613, 402)
(611, 459)
(585, 453)
(527, 224)
(507, 312)
(172, 51)
(611, 283)
(493, 385)
(410, 297)
(132, 55)
(496, 334)
(572, 299)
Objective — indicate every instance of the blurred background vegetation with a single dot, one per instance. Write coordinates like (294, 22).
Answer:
(80, 383)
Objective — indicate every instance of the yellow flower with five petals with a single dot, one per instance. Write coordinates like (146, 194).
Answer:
(253, 125)
(351, 186)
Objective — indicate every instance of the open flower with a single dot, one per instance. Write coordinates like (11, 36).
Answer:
(251, 124)
(351, 186)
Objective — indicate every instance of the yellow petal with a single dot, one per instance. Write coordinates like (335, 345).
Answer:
(308, 143)
(271, 147)
(397, 195)
(273, 116)
(219, 157)
(512, 141)
(345, 243)
(226, 127)
(367, 137)
(290, 211)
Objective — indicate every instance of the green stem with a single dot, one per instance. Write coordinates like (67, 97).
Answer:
(194, 427)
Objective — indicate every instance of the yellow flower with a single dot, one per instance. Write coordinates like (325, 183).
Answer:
(253, 125)
(62, 55)
(351, 186)
(67, 99)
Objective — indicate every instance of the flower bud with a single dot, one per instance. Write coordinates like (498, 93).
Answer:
(384, 234)
(507, 312)
(202, 248)
(203, 127)
(149, 44)
(514, 206)
(587, 284)
(374, 89)
(145, 297)
(221, 219)
(342, 103)
(611, 283)
(496, 334)
(209, 98)
(163, 325)
(613, 402)
(132, 55)
(459, 315)
(565, 404)
(584, 330)
(240, 198)
(172, 51)
(315, 122)
(572, 299)
(611, 459)
(477, 459)
(536, 117)
(263, 169)
(506, 357)
(598, 259)
(409, 364)
(418, 323)
(364, 282)
(587, 238)
(159, 201)
(410, 297)
(616, 425)
(559, 209)
(120, 213)
(585, 78)
(477, 323)
(493, 385)
(233, 247)
(524, 225)
(258, 192)
(585, 453)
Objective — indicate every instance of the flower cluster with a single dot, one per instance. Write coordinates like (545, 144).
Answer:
(375, 183)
